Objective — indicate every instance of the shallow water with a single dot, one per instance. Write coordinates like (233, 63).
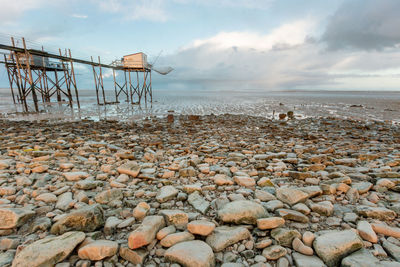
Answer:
(373, 105)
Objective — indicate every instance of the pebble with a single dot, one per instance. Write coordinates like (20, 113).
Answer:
(274, 252)
(241, 211)
(366, 232)
(270, 223)
(175, 238)
(144, 184)
(191, 253)
(333, 246)
(98, 250)
(146, 232)
(225, 236)
(298, 246)
(200, 227)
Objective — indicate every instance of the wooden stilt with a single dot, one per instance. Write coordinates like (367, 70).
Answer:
(74, 80)
(101, 83)
(115, 87)
(95, 83)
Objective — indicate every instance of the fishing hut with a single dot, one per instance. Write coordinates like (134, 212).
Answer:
(42, 75)
(32, 73)
(135, 82)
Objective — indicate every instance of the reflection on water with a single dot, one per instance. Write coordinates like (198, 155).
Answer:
(356, 105)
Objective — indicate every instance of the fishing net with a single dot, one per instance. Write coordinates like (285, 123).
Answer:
(162, 70)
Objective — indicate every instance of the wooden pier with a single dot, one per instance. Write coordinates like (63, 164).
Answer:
(45, 76)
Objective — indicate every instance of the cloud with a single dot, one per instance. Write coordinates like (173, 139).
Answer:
(151, 10)
(79, 16)
(248, 4)
(285, 58)
(157, 10)
(364, 24)
(286, 35)
(12, 10)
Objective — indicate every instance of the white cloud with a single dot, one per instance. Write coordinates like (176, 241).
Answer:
(151, 10)
(248, 4)
(108, 73)
(284, 58)
(12, 10)
(79, 16)
(286, 35)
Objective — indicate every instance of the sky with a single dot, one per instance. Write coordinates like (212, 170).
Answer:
(223, 44)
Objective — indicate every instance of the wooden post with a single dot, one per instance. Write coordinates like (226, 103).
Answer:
(23, 85)
(101, 82)
(57, 87)
(151, 89)
(115, 87)
(130, 88)
(95, 81)
(28, 63)
(74, 80)
(126, 87)
(9, 78)
(67, 79)
(144, 85)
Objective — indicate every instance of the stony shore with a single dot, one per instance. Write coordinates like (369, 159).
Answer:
(200, 191)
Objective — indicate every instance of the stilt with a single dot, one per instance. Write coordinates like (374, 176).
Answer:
(95, 83)
(9, 79)
(74, 80)
(101, 82)
(32, 86)
(115, 87)
(31, 72)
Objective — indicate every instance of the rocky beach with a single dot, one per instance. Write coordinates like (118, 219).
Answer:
(189, 190)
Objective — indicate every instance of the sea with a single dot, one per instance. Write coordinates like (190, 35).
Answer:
(356, 105)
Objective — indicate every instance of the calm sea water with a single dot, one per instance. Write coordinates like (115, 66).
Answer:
(371, 105)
